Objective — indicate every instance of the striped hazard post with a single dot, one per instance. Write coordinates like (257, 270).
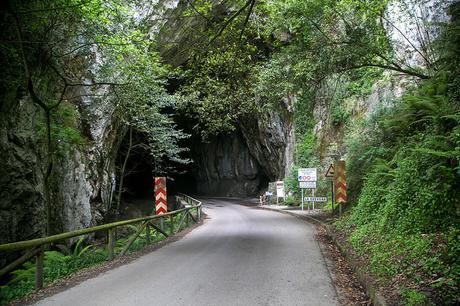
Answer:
(340, 182)
(160, 196)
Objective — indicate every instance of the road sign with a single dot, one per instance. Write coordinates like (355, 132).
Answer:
(280, 189)
(307, 185)
(315, 199)
(272, 187)
(307, 175)
(160, 196)
(330, 171)
(340, 183)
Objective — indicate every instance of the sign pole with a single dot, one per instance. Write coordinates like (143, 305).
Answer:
(332, 195)
(313, 195)
(302, 198)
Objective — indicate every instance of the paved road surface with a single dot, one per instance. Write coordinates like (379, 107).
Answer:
(240, 256)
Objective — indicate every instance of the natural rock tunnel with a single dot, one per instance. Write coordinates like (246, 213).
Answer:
(223, 166)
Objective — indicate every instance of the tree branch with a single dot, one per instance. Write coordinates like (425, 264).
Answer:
(52, 9)
(253, 2)
(196, 10)
(387, 67)
(229, 21)
(408, 40)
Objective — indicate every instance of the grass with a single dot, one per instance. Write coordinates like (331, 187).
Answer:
(421, 269)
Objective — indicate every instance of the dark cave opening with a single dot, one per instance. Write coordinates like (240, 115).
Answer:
(223, 166)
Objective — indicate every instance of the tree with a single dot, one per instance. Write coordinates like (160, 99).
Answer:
(145, 106)
(64, 46)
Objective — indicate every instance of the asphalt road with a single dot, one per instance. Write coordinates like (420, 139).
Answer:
(239, 256)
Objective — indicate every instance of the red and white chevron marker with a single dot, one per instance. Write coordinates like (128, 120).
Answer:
(160, 196)
(340, 182)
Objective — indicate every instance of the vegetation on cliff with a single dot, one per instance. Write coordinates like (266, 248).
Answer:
(245, 58)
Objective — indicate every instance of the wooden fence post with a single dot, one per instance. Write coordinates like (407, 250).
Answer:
(110, 244)
(147, 233)
(39, 270)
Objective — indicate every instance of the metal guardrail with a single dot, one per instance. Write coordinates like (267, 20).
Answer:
(37, 246)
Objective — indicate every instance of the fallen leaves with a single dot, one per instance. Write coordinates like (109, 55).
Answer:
(350, 291)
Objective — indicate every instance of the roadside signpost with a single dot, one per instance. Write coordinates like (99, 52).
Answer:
(307, 177)
(316, 199)
(307, 185)
(160, 196)
(330, 176)
(340, 183)
(279, 190)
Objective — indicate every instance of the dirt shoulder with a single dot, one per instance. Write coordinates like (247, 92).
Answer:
(349, 289)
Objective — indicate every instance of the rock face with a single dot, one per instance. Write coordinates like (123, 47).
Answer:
(21, 190)
(225, 167)
(270, 140)
(411, 26)
(242, 164)
(82, 179)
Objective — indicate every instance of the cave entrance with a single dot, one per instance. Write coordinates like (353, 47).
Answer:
(224, 166)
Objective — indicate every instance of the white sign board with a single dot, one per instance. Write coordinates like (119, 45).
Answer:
(280, 189)
(307, 175)
(307, 185)
(315, 199)
(268, 193)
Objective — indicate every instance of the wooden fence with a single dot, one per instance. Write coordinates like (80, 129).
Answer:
(36, 247)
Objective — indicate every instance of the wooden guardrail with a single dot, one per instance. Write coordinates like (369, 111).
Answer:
(36, 247)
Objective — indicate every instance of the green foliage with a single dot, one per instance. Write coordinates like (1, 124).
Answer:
(64, 129)
(218, 92)
(406, 217)
(291, 201)
(339, 115)
(56, 266)
(414, 298)
(291, 183)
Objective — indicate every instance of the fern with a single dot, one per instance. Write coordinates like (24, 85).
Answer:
(28, 273)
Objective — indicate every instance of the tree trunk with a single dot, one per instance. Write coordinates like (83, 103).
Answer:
(122, 171)
(49, 168)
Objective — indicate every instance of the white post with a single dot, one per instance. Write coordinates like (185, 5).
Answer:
(302, 198)
(313, 195)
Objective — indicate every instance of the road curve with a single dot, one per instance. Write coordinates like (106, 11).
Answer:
(239, 256)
